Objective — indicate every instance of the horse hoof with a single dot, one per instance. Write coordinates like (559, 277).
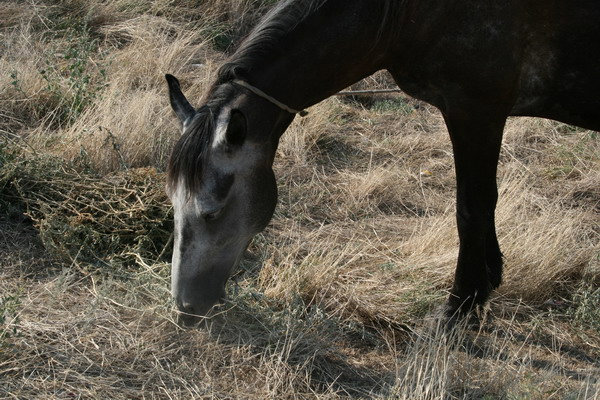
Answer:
(461, 318)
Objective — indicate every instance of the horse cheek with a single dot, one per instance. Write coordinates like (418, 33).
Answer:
(263, 198)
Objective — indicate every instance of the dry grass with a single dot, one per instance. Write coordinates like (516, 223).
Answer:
(336, 299)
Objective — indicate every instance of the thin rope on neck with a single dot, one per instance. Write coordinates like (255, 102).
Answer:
(265, 96)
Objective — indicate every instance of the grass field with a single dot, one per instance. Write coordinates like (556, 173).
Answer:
(338, 298)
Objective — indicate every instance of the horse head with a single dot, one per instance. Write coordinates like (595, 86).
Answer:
(222, 188)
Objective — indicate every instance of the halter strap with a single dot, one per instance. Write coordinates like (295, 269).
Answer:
(265, 96)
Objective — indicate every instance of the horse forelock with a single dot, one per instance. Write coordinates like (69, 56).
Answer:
(192, 150)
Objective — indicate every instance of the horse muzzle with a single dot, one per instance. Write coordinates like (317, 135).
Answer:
(197, 308)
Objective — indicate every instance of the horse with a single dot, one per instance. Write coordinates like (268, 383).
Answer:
(477, 61)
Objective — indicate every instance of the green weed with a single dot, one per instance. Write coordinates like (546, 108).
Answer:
(586, 307)
(9, 317)
(15, 82)
(393, 105)
(72, 81)
(576, 155)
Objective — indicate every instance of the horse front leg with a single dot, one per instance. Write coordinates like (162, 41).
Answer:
(493, 255)
(476, 143)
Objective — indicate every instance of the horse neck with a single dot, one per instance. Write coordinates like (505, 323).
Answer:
(334, 46)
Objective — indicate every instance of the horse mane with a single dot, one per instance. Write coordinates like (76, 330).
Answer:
(262, 40)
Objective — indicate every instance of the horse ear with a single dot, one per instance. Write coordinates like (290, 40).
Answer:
(179, 103)
(236, 129)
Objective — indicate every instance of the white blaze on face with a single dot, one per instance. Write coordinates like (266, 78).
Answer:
(221, 129)
(178, 200)
(186, 255)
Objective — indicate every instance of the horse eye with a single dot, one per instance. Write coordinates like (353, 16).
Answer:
(209, 216)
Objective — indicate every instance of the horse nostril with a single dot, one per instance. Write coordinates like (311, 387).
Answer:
(187, 315)
(187, 309)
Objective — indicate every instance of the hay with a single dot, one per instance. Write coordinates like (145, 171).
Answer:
(84, 217)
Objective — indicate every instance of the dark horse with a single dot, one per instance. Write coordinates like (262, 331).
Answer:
(477, 61)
